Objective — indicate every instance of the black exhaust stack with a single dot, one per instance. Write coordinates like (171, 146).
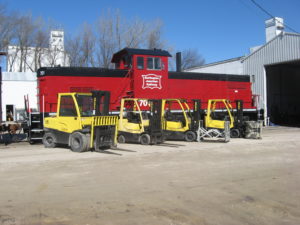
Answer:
(178, 62)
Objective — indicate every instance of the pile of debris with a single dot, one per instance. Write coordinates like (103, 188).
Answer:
(11, 132)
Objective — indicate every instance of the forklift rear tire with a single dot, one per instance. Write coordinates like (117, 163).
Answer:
(121, 139)
(78, 142)
(190, 136)
(145, 139)
(49, 140)
(234, 133)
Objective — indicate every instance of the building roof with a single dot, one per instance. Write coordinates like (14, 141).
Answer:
(217, 63)
(243, 58)
(269, 43)
(135, 51)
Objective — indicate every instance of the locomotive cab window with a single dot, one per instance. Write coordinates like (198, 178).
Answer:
(140, 63)
(153, 63)
(127, 61)
(157, 63)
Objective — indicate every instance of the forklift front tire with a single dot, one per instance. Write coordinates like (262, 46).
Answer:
(78, 142)
(234, 133)
(145, 139)
(49, 140)
(190, 136)
(121, 139)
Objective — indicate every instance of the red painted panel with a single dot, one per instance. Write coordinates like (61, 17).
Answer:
(150, 83)
(207, 89)
(50, 86)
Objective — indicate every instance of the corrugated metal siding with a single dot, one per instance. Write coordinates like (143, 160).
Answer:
(283, 48)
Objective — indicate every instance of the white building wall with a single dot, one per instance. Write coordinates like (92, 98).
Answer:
(14, 87)
(33, 58)
(225, 67)
(49, 57)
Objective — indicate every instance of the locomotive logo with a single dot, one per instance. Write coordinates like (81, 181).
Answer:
(151, 81)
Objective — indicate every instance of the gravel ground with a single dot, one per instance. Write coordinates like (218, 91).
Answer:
(177, 183)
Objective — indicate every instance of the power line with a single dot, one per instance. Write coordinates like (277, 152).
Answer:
(269, 14)
(250, 7)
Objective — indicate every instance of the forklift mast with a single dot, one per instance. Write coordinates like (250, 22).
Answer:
(101, 102)
(239, 117)
(196, 115)
(155, 124)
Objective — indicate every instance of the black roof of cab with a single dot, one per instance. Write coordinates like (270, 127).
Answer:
(80, 72)
(135, 51)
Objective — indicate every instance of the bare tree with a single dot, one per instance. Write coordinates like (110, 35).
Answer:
(40, 43)
(24, 29)
(27, 39)
(135, 34)
(113, 32)
(29, 44)
(7, 23)
(73, 50)
(119, 26)
(191, 58)
(87, 46)
(154, 36)
(81, 48)
(106, 40)
(4, 28)
(54, 56)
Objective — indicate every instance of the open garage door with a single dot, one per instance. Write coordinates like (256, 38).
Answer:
(283, 93)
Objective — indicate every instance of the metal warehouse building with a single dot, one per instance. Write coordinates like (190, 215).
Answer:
(275, 73)
(276, 70)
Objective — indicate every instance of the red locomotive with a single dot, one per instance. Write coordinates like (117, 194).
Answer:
(142, 73)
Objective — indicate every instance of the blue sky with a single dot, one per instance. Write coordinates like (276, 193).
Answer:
(219, 29)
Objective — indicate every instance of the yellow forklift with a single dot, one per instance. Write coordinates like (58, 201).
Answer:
(243, 126)
(218, 120)
(82, 122)
(140, 121)
(221, 120)
(179, 122)
(182, 123)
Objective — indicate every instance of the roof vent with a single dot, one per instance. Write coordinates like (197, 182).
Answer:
(274, 27)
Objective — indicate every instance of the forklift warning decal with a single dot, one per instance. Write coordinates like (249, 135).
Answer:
(151, 81)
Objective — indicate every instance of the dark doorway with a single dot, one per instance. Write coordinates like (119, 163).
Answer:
(283, 93)
(9, 112)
